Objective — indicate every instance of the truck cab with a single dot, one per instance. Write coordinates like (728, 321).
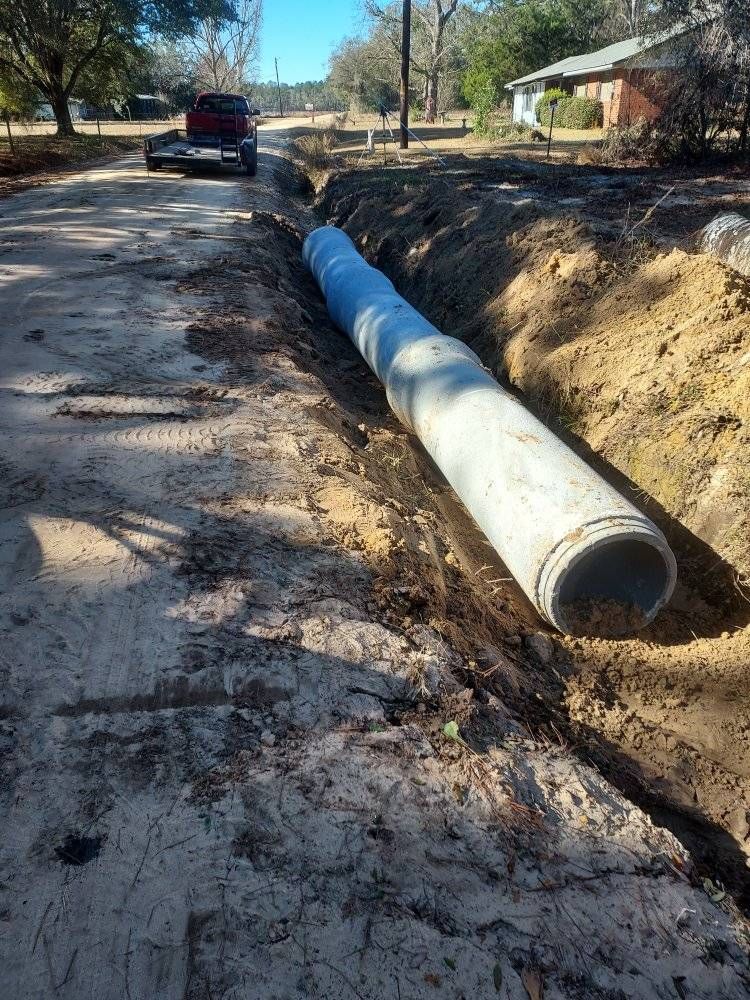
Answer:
(214, 114)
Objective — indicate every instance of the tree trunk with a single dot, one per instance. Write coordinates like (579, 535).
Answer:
(59, 102)
(634, 17)
(430, 104)
(742, 138)
(436, 51)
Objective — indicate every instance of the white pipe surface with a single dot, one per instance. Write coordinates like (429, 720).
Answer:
(571, 541)
(728, 238)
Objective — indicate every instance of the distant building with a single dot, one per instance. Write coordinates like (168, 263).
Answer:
(145, 106)
(44, 112)
(624, 77)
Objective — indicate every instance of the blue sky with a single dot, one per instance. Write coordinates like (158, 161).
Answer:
(303, 33)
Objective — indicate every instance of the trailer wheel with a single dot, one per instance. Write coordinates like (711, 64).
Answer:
(251, 161)
(153, 164)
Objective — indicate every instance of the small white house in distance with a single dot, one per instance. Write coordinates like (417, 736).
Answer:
(44, 112)
(621, 76)
(525, 96)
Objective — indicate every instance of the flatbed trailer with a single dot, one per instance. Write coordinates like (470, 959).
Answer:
(195, 151)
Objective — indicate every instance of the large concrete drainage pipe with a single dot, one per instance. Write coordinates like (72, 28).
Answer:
(728, 238)
(586, 558)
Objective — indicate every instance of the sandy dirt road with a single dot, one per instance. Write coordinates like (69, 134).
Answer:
(223, 768)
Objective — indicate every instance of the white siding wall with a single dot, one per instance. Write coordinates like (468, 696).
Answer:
(524, 102)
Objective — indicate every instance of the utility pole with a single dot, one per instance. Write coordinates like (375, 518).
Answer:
(405, 57)
(278, 86)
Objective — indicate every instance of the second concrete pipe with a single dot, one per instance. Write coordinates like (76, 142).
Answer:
(728, 238)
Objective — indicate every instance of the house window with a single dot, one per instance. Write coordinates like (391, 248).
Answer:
(580, 89)
(606, 89)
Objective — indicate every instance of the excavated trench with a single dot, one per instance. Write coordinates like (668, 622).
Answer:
(665, 715)
(296, 732)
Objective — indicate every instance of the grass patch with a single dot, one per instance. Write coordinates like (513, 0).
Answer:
(37, 153)
(315, 152)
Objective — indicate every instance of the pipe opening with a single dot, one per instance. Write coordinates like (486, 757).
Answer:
(614, 589)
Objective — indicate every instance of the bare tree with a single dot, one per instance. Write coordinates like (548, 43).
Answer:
(630, 14)
(709, 106)
(435, 15)
(224, 52)
(430, 48)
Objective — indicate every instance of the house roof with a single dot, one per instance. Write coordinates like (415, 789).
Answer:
(602, 59)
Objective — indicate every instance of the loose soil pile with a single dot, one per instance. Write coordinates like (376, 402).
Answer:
(640, 358)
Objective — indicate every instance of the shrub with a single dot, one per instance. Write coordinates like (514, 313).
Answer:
(495, 122)
(483, 106)
(583, 112)
(571, 112)
(315, 148)
(512, 131)
(643, 140)
(541, 109)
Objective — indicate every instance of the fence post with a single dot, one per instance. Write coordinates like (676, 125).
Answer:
(10, 135)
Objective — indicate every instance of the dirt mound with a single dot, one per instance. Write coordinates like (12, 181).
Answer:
(650, 367)
(639, 358)
(645, 362)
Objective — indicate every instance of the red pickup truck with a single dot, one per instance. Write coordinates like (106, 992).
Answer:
(219, 129)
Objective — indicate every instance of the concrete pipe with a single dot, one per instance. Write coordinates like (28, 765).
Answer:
(578, 549)
(727, 237)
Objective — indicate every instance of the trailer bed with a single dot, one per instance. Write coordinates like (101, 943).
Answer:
(179, 153)
(176, 148)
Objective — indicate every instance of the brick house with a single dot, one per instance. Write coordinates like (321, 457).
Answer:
(628, 78)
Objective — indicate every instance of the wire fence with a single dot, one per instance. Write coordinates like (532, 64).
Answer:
(119, 127)
(116, 127)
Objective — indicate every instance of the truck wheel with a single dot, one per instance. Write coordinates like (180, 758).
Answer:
(251, 161)
(153, 164)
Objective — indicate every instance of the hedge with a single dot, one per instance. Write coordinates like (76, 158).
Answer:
(571, 112)
(541, 109)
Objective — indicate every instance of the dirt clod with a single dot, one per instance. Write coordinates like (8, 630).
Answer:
(603, 618)
(541, 646)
